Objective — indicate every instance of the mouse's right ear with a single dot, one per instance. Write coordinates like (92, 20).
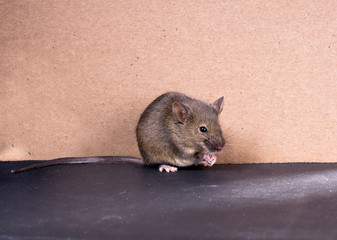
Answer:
(180, 111)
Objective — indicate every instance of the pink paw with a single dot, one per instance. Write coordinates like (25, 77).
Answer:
(208, 160)
(167, 168)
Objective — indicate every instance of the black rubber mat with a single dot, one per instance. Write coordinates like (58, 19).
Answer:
(125, 201)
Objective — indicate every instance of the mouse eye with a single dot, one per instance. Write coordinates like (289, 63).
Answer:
(203, 129)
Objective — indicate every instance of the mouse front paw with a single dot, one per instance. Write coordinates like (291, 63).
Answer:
(208, 160)
(167, 168)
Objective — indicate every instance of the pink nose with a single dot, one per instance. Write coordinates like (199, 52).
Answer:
(219, 147)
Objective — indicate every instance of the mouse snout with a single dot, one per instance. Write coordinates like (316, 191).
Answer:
(220, 146)
(217, 145)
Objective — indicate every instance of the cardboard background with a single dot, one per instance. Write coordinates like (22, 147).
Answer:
(75, 76)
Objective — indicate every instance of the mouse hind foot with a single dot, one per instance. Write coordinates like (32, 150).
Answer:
(167, 168)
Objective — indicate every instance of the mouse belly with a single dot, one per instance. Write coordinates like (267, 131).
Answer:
(183, 162)
(207, 160)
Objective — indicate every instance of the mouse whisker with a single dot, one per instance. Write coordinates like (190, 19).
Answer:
(228, 135)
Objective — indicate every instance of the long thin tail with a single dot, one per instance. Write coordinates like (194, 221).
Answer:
(79, 160)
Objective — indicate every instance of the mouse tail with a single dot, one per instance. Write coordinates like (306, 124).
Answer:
(80, 160)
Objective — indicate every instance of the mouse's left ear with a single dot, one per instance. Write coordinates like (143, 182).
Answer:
(217, 105)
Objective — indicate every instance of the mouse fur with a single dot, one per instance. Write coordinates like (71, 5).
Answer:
(169, 131)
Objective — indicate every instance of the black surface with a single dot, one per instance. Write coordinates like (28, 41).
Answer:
(125, 201)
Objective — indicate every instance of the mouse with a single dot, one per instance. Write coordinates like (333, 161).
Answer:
(173, 131)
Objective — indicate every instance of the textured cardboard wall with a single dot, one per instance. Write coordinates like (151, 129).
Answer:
(75, 76)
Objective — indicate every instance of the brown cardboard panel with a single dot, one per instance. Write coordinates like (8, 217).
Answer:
(75, 76)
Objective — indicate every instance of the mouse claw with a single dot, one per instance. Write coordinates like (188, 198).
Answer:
(204, 163)
(208, 160)
(167, 168)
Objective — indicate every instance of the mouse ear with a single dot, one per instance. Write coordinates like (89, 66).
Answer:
(217, 105)
(180, 111)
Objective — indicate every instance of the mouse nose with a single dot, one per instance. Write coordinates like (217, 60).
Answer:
(216, 145)
(221, 145)
(219, 148)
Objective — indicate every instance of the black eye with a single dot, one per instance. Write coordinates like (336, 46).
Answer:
(203, 129)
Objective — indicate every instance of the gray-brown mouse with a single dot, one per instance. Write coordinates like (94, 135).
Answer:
(173, 131)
